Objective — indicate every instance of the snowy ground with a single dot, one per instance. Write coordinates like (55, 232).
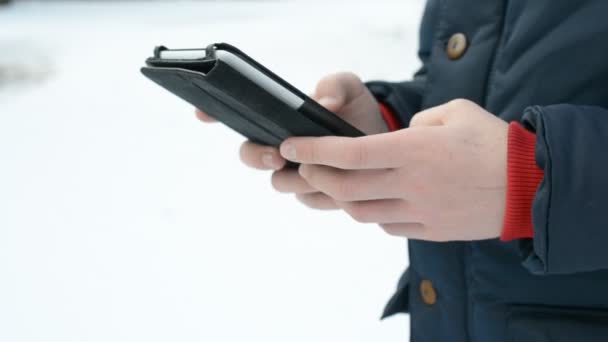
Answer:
(124, 219)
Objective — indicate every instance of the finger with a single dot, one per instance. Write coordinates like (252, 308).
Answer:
(431, 117)
(335, 90)
(369, 152)
(440, 115)
(351, 185)
(290, 181)
(414, 231)
(330, 103)
(380, 211)
(204, 117)
(261, 157)
(317, 200)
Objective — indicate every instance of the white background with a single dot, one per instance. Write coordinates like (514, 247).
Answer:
(122, 218)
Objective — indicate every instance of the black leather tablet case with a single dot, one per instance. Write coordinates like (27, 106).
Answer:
(224, 93)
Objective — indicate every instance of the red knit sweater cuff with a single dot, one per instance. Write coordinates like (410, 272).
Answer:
(523, 179)
(389, 117)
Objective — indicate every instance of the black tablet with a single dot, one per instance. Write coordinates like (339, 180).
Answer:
(230, 86)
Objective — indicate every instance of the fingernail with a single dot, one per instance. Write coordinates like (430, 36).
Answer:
(303, 171)
(327, 101)
(288, 151)
(268, 160)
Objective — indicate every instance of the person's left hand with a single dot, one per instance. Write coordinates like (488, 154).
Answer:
(442, 179)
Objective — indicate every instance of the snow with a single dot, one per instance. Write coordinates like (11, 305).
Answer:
(122, 218)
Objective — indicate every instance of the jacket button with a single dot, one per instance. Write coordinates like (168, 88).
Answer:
(457, 45)
(427, 291)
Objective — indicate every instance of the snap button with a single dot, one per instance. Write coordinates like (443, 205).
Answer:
(457, 45)
(427, 292)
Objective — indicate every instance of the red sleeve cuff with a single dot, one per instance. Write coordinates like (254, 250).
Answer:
(523, 179)
(389, 117)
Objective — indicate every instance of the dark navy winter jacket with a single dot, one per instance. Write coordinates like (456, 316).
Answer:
(543, 63)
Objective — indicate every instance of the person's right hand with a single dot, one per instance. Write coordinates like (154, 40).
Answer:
(343, 94)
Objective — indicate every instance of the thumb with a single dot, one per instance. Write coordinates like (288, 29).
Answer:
(436, 116)
(336, 90)
(332, 103)
(459, 109)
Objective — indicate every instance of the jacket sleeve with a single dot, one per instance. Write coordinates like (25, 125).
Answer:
(570, 209)
(405, 98)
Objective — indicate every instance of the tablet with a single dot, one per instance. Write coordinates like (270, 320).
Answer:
(240, 65)
(227, 84)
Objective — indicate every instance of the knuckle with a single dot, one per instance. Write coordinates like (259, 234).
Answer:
(459, 103)
(251, 154)
(319, 150)
(309, 153)
(359, 214)
(314, 201)
(416, 119)
(390, 229)
(342, 190)
(306, 200)
(277, 181)
(307, 172)
(362, 155)
(357, 156)
(313, 153)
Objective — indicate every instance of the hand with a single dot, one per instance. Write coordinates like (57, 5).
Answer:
(343, 94)
(442, 179)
